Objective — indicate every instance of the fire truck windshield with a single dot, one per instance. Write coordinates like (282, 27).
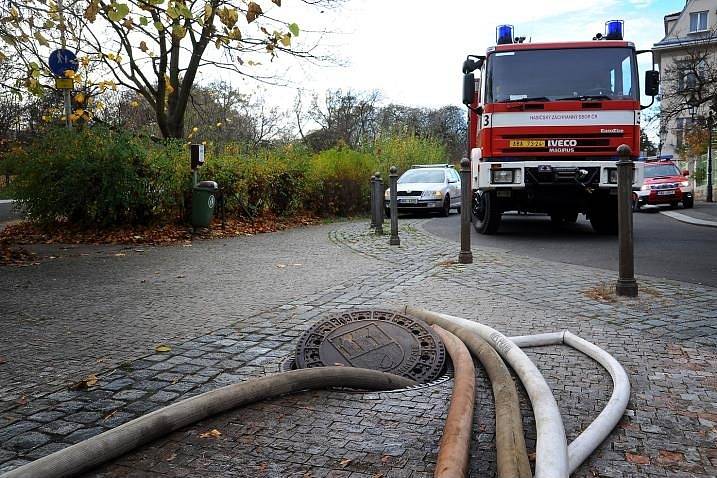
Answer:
(554, 75)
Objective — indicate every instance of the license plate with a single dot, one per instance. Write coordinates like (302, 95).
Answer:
(408, 200)
(527, 143)
(665, 193)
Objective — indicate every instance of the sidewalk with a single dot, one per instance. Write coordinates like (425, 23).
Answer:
(233, 309)
(703, 214)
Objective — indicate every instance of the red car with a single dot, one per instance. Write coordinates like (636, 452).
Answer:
(663, 184)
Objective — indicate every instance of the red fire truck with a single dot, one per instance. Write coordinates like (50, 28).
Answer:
(545, 122)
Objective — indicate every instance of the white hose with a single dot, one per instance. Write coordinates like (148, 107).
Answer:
(586, 443)
(551, 455)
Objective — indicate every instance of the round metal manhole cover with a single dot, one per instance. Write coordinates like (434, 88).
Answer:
(375, 339)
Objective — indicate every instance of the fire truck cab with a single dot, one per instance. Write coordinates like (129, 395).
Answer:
(545, 122)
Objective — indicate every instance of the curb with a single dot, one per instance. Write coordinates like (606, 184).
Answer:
(689, 220)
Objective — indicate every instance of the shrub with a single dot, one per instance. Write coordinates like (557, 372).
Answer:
(92, 177)
(338, 182)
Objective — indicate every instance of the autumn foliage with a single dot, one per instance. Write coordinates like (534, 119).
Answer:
(97, 178)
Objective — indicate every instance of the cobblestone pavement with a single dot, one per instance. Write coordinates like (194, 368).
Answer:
(240, 306)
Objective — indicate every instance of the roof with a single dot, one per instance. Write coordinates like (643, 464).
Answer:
(693, 38)
(563, 45)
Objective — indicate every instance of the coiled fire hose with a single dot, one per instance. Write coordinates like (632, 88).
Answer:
(512, 456)
(600, 428)
(551, 455)
(113, 443)
(454, 449)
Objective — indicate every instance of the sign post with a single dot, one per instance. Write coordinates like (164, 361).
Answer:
(60, 61)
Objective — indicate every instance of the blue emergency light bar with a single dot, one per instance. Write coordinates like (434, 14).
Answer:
(504, 34)
(614, 29)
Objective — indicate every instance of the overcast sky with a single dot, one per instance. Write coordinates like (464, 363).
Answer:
(412, 51)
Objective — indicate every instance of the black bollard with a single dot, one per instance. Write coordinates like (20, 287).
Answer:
(372, 201)
(378, 203)
(393, 184)
(466, 256)
(626, 284)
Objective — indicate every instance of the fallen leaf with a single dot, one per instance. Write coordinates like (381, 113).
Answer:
(637, 459)
(281, 266)
(345, 462)
(162, 348)
(213, 433)
(22, 400)
(85, 383)
(120, 254)
(2, 360)
(263, 466)
(171, 457)
(109, 416)
(181, 276)
(385, 458)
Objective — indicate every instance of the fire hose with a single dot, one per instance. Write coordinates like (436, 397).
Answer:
(597, 431)
(454, 450)
(113, 443)
(512, 456)
(553, 457)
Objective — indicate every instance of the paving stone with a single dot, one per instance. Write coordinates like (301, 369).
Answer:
(247, 328)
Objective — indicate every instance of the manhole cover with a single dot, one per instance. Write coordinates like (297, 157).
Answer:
(375, 339)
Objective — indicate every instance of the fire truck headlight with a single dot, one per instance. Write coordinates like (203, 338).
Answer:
(502, 176)
(612, 175)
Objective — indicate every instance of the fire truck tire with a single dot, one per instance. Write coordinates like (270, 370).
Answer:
(486, 212)
(604, 218)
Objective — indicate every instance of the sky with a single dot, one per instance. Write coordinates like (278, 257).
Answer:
(412, 51)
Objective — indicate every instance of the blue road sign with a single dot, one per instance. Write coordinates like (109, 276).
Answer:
(62, 60)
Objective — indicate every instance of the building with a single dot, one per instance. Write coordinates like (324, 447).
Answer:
(687, 55)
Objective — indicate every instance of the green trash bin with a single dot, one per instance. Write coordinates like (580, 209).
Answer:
(204, 200)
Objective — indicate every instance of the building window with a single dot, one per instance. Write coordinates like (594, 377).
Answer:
(698, 21)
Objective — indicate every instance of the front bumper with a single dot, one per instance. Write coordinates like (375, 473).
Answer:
(662, 196)
(407, 203)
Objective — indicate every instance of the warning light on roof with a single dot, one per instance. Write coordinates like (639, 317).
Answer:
(504, 34)
(614, 29)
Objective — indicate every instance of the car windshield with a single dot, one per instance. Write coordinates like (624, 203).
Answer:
(661, 170)
(421, 176)
(552, 75)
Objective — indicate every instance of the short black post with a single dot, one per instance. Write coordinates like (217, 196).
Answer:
(466, 256)
(378, 203)
(393, 184)
(372, 201)
(710, 126)
(626, 284)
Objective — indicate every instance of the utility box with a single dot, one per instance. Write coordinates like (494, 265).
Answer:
(204, 200)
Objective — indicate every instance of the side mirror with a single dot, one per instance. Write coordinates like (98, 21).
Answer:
(652, 82)
(469, 88)
(685, 172)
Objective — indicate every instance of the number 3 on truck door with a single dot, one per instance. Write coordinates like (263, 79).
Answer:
(486, 120)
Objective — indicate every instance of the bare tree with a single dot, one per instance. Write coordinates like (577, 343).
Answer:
(154, 48)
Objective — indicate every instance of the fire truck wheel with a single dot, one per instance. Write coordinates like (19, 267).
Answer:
(604, 219)
(446, 209)
(571, 217)
(486, 213)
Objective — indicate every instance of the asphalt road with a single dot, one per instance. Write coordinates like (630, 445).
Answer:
(664, 247)
(7, 211)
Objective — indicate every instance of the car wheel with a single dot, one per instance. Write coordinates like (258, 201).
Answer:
(446, 209)
(485, 212)
(688, 203)
(635, 205)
